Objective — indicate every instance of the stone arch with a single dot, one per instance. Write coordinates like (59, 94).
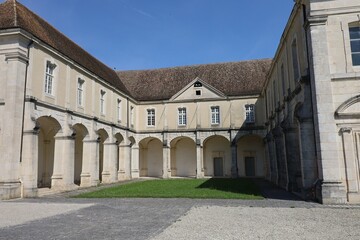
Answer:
(48, 128)
(251, 156)
(81, 133)
(102, 137)
(217, 156)
(119, 139)
(151, 157)
(183, 157)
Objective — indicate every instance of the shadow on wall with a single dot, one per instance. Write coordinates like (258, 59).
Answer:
(238, 185)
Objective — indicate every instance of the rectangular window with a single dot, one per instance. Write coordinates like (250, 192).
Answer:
(151, 117)
(49, 77)
(182, 116)
(250, 113)
(295, 60)
(119, 110)
(132, 117)
(80, 91)
(355, 45)
(102, 102)
(215, 115)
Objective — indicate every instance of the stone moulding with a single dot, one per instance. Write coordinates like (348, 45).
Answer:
(339, 113)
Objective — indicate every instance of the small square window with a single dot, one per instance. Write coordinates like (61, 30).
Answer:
(198, 92)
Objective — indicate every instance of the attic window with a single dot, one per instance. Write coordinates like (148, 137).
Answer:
(197, 84)
(198, 92)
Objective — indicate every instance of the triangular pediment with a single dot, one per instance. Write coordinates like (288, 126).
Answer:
(349, 109)
(197, 89)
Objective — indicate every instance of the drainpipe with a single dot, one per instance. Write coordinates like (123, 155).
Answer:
(23, 114)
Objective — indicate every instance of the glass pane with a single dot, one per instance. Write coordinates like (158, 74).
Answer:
(356, 59)
(354, 32)
(355, 46)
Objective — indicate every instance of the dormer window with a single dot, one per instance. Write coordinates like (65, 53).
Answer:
(197, 84)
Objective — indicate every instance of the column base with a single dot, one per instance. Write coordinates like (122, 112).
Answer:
(354, 198)
(86, 180)
(135, 174)
(106, 178)
(333, 193)
(30, 192)
(10, 190)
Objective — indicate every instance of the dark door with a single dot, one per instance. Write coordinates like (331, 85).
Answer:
(250, 166)
(218, 167)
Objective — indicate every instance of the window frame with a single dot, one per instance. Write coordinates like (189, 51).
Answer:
(49, 78)
(150, 117)
(295, 60)
(80, 92)
(215, 115)
(250, 113)
(352, 51)
(102, 102)
(182, 116)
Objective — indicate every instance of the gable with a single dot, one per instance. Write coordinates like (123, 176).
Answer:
(197, 89)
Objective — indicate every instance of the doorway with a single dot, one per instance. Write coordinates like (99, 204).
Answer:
(218, 167)
(250, 166)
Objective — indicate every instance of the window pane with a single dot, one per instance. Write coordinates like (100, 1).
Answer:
(356, 59)
(354, 32)
(355, 46)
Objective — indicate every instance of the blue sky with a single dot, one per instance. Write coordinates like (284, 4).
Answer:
(145, 34)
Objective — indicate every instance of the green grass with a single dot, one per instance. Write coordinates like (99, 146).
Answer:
(182, 188)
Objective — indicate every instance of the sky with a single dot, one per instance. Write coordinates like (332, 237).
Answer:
(148, 34)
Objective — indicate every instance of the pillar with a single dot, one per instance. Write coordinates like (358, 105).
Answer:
(109, 174)
(199, 161)
(135, 161)
(293, 159)
(234, 164)
(64, 160)
(124, 162)
(166, 162)
(89, 175)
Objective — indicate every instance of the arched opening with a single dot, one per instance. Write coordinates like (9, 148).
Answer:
(183, 157)
(103, 135)
(49, 127)
(81, 133)
(217, 157)
(250, 156)
(151, 157)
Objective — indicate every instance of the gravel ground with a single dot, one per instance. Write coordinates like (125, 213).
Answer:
(216, 222)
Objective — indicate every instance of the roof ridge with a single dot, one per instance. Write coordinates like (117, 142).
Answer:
(15, 13)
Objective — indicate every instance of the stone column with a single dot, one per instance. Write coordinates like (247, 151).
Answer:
(12, 119)
(234, 163)
(199, 161)
(135, 161)
(124, 162)
(333, 190)
(280, 156)
(64, 159)
(273, 160)
(29, 163)
(89, 175)
(351, 169)
(166, 162)
(293, 159)
(109, 174)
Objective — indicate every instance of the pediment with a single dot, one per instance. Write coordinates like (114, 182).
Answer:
(349, 109)
(198, 89)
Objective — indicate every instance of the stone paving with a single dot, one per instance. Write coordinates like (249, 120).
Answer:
(59, 217)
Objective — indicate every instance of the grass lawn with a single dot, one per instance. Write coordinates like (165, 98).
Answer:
(220, 188)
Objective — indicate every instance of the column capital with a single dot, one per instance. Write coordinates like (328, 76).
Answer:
(345, 130)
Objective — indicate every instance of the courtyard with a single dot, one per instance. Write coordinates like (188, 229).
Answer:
(280, 215)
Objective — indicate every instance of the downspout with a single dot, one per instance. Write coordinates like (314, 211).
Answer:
(25, 84)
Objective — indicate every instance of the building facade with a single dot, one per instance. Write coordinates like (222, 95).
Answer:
(68, 121)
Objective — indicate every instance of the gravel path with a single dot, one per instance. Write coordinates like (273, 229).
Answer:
(216, 222)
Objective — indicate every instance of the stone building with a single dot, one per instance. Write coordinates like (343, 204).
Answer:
(69, 121)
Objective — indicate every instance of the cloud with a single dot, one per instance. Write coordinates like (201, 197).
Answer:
(139, 11)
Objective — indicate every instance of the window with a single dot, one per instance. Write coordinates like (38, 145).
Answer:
(102, 102)
(182, 116)
(49, 77)
(215, 115)
(132, 118)
(295, 61)
(355, 45)
(80, 91)
(119, 110)
(151, 117)
(198, 92)
(250, 113)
